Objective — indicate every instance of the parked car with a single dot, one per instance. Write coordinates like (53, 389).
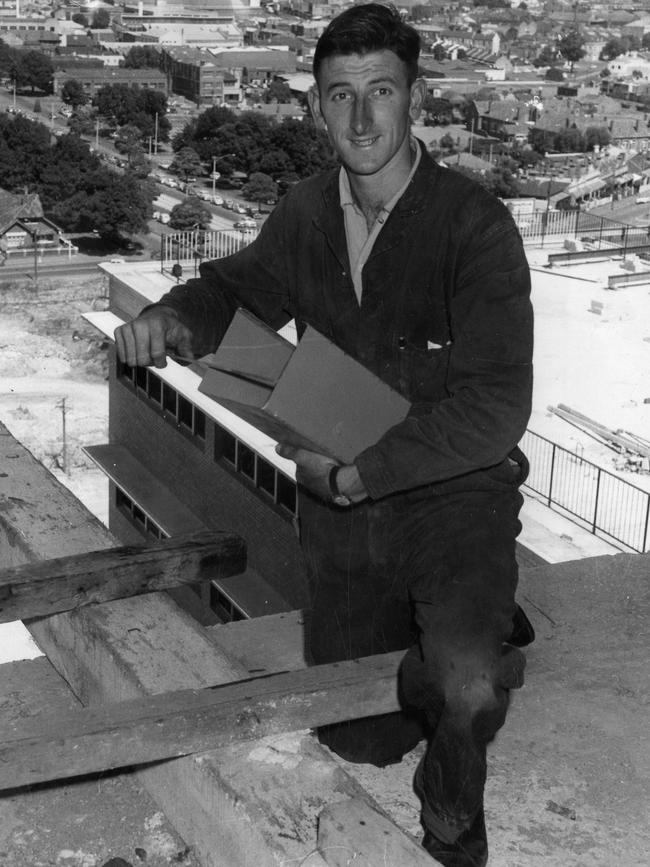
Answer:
(246, 224)
(217, 200)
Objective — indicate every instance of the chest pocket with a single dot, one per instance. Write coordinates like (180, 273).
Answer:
(422, 371)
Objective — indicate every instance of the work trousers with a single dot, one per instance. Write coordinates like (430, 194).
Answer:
(432, 570)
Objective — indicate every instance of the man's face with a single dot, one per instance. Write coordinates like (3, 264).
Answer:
(366, 105)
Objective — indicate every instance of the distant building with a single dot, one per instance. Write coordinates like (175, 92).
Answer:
(178, 462)
(94, 78)
(25, 229)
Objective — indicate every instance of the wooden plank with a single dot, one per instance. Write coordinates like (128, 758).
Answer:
(181, 723)
(353, 832)
(250, 803)
(66, 583)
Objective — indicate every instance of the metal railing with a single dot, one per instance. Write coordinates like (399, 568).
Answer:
(192, 246)
(604, 502)
(599, 232)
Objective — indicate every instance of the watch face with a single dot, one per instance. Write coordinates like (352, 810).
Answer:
(341, 501)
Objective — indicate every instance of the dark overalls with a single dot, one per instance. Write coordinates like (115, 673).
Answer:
(429, 559)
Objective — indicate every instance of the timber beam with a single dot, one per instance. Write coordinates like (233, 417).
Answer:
(145, 730)
(66, 583)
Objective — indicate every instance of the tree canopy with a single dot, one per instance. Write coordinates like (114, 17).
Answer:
(75, 189)
(73, 93)
(121, 104)
(260, 188)
(571, 46)
(192, 213)
(101, 19)
(142, 57)
(255, 143)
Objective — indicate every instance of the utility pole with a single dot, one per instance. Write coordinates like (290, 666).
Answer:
(155, 130)
(214, 177)
(64, 446)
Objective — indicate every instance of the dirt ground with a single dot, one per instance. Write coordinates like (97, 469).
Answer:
(53, 369)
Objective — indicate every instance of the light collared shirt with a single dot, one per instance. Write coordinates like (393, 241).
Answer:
(360, 239)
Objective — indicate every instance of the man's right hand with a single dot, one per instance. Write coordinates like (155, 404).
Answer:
(145, 340)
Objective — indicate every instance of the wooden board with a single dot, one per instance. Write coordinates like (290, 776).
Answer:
(250, 803)
(354, 832)
(66, 583)
(175, 724)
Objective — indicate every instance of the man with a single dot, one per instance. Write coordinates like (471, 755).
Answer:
(419, 274)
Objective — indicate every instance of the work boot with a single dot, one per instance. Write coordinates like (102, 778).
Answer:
(523, 633)
(469, 850)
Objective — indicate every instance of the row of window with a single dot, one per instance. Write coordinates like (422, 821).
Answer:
(137, 517)
(189, 417)
(221, 603)
(262, 476)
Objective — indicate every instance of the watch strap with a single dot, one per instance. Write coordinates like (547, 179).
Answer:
(337, 497)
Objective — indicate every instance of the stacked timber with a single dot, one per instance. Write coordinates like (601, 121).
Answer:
(633, 450)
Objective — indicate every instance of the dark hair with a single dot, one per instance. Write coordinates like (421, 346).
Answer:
(366, 28)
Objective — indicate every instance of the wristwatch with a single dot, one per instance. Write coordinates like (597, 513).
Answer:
(338, 498)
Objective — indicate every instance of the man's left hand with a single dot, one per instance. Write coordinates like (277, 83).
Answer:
(313, 471)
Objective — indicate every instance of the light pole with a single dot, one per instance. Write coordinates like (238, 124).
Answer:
(214, 177)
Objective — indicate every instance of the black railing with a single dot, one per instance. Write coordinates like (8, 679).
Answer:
(603, 502)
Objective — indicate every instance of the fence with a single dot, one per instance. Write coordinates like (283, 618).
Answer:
(607, 504)
(600, 232)
(190, 247)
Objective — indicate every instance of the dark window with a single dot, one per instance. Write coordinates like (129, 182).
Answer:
(224, 607)
(286, 493)
(199, 423)
(152, 529)
(246, 461)
(185, 411)
(169, 398)
(124, 371)
(154, 387)
(225, 445)
(265, 476)
(138, 515)
(141, 377)
(122, 501)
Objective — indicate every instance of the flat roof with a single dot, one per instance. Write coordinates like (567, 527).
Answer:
(187, 381)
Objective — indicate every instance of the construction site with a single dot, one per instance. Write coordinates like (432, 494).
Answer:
(145, 730)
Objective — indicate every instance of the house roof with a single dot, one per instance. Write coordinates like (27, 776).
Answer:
(18, 207)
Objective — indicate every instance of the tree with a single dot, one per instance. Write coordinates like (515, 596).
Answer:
(128, 140)
(120, 105)
(101, 19)
(447, 143)
(73, 93)
(546, 57)
(597, 135)
(80, 18)
(554, 74)
(278, 91)
(190, 214)
(142, 57)
(571, 47)
(115, 205)
(34, 70)
(187, 163)
(260, 188)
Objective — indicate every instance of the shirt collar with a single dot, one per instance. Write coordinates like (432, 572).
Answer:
(345, 191)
